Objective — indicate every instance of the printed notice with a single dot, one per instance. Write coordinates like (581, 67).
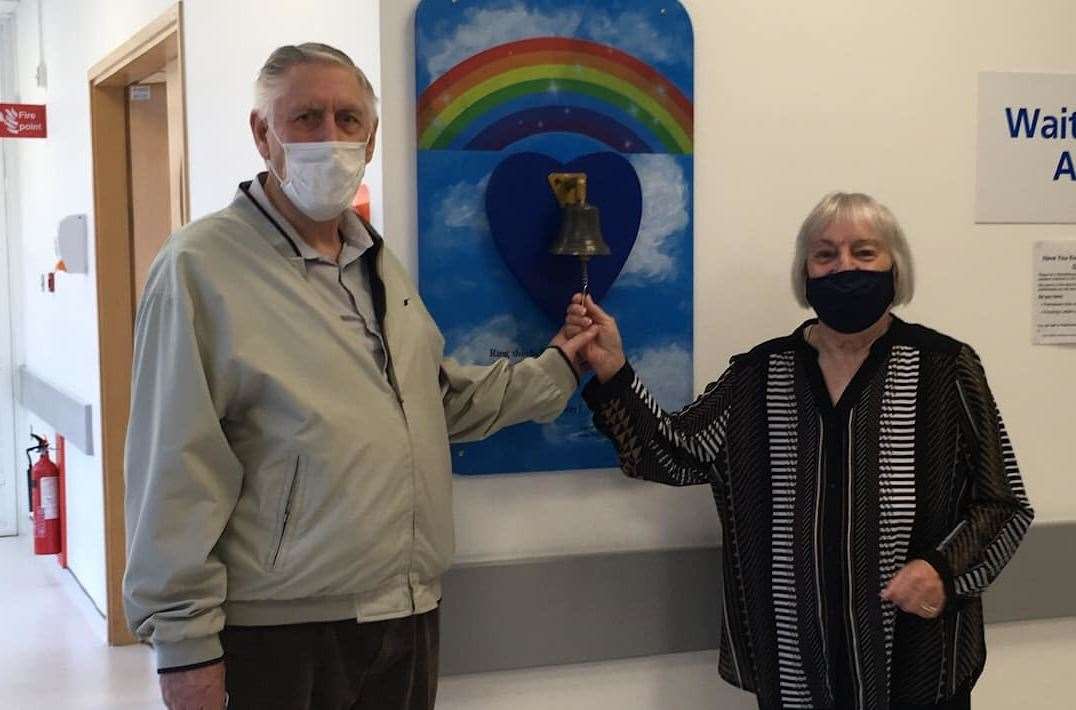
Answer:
(1055, 292)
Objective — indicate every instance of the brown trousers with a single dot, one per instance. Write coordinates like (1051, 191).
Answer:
(337, 665)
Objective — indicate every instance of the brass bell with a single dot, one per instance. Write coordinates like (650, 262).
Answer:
(580, 233)
(580, 228)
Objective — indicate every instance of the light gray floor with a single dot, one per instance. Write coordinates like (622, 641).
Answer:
(53, 652)
(53, 655)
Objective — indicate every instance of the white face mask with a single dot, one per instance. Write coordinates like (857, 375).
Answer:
(322, 177)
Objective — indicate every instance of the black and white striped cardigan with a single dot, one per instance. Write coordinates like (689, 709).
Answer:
(934, 477)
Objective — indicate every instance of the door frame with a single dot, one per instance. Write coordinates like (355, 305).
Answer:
(155, 48)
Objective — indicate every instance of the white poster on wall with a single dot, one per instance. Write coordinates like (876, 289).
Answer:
(1027, 148)
(1055, 293)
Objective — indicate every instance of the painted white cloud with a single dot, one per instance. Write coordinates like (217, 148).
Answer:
(450, 288)
(500, 333)
(487, 28)
(631, 32)
(464, 206)
(667, 372)
(665, 213)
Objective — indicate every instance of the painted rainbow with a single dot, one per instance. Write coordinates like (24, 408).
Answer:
(555, 85)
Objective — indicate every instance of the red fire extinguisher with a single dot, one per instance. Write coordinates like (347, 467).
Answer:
(45, 499)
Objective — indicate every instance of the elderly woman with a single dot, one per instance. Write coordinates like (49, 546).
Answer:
(866, 486)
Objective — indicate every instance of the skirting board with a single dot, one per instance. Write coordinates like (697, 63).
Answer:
(586, 608)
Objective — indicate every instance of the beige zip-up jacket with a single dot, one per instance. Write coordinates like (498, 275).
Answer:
(275, 475)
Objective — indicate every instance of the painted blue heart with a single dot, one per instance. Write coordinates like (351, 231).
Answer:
(524, 219)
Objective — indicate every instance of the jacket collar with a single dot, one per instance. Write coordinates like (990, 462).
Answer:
(280, 235)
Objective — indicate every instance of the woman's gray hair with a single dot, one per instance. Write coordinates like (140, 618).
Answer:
(268, 84)
(855, 207)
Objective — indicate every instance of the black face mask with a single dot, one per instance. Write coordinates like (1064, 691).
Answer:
(851, 301)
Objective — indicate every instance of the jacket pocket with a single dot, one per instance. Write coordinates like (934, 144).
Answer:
(280, 536)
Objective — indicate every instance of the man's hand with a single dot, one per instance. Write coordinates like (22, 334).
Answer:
(605, 352)
(917, 589)
(198, 689)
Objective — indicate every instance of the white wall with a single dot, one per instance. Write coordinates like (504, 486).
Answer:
(8, 464)
(226, 44)
(832, 94)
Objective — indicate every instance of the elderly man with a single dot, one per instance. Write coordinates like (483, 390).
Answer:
(289, 496)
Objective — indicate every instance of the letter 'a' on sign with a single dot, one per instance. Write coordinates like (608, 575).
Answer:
(1065, 167)
(22, 121)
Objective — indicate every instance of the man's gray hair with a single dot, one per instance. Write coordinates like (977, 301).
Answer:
(267, 86)
(855, 207)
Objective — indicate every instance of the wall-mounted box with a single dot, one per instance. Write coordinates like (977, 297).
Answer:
(71, 244)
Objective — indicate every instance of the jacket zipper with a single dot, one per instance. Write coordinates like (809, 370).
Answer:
(956, 526)
(820, 495)
(732, 639)
(287, 514)
(857, 671)
(380, 299)
(956, 638)
(735, 556)
(414, 484)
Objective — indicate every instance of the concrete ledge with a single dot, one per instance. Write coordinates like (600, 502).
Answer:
(588, 608)
(72, 418)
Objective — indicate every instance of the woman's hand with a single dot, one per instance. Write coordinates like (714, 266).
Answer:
(605, 353)
(917, 589)
(572, 339)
